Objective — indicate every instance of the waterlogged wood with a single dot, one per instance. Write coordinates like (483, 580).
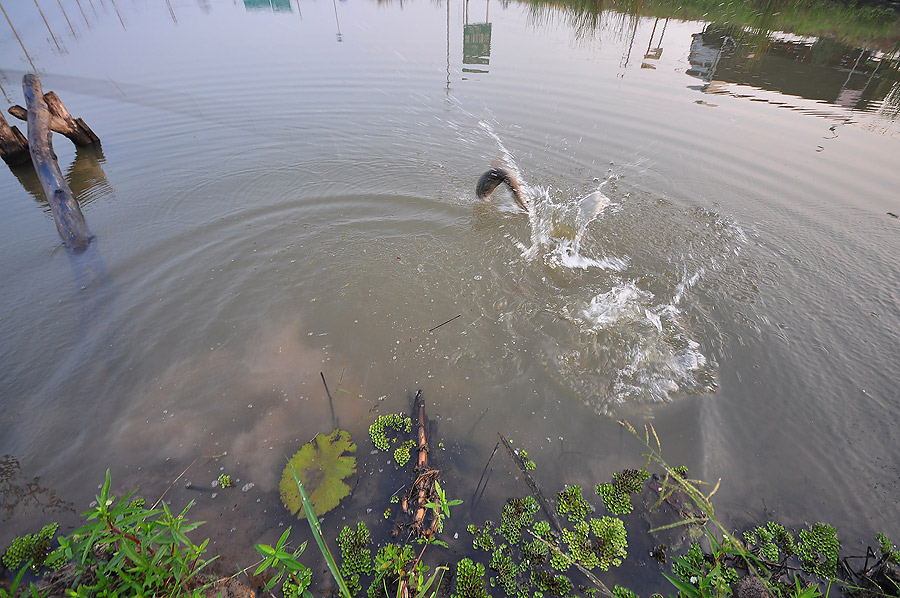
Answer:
(549, 511)
(61, 121)
(66, 213)
(13, 145)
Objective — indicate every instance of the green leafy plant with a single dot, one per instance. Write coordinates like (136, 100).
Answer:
(321, 465)
(128, 550)
(441, 510)
(316, 531)
(224, 480)
(296, 576)
(888, 551)
(697, 576)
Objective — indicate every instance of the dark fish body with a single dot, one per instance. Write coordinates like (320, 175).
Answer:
(493, 177)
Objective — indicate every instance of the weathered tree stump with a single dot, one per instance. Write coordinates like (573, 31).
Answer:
(61, 121)
(13, 145)
(66, 213)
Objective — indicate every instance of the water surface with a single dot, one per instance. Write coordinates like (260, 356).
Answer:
(286, 189)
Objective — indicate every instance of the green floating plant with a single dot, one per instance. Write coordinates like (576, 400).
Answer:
(30, 547)
(617, 495)
(470, 580)
(225, 480)
(534, 553)
(355, 556)
(818, 550)
(517, 513)
(555, 585)
(402, 452)
(771, 539)
(392, 421)
(572, 505)
(321, 467)
(620, 592)
(502, 563)
(607, 546)
(888, 550)
(484, 539)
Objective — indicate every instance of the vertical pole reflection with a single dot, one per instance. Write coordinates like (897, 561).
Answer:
(48, 26)
(63, 10)
(19, 39)
(448, 46)
(84, 16)
(118, 14)
(336, 20)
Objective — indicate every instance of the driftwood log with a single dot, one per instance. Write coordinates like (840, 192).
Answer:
(61, 121)
(13, 145)
(66, 213)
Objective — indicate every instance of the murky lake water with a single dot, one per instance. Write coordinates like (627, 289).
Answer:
(286, 189)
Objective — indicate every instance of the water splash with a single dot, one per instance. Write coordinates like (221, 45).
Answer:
(558, 229)
(622, 274)
(635, 348)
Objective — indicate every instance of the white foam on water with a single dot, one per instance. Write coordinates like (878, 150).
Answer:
(644, 350)
(558, 229)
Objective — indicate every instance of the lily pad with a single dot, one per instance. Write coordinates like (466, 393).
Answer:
(322, 466)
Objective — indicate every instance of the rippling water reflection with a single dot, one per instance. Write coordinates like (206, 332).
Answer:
(287, 189)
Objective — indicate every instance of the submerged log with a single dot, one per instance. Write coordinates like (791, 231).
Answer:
(61, 121)
(66, 213)
(13, 145)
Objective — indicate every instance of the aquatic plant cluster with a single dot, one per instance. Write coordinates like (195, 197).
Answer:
(617, 494)
(127, 549)
(355, 556)
(32, 548)
(393, 421)
(520, 566)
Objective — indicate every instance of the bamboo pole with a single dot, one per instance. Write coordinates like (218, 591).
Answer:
(67, 214)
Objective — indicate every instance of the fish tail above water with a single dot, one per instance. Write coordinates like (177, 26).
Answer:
(493, 177)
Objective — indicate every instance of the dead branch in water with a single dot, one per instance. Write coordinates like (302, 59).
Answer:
(532, 485)
(423, 489)
(13, 145)
(61, 121)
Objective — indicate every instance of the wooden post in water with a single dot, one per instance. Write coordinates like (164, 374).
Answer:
(13, 145)
(66, 213)
(61, 121)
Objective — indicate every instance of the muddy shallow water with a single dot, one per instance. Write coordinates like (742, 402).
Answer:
(288, 189)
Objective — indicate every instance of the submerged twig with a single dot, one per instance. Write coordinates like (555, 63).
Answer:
(587, 572)
(532, 485)
(330, 401)
(447, 322)
(175, 481)
(483, 472)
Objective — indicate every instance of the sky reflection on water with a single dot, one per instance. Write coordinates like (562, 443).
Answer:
(287, 188)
